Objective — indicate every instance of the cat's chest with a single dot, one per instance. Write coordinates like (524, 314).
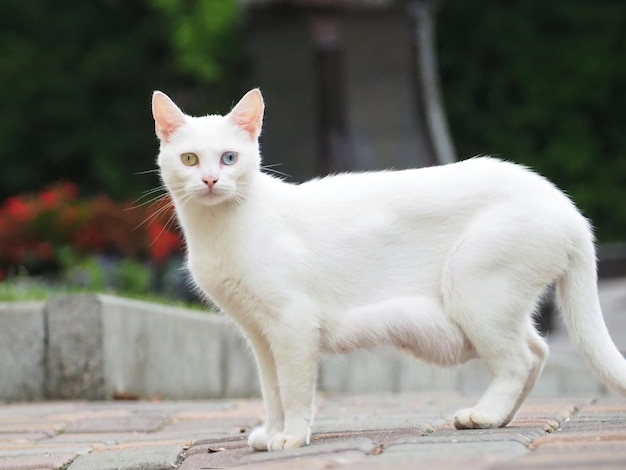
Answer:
(211, 267)
(224, 278)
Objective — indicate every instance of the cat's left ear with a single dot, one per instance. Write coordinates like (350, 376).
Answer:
(248, 113)
(167, 116)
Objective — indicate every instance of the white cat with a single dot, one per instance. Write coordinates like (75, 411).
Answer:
(446, 263)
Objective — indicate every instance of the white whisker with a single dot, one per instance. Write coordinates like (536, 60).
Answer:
(145, 172)
(269, 169)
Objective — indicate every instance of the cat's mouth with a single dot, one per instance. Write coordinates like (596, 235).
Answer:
(210, 196)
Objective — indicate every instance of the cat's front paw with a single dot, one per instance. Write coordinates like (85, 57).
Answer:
(280, 441)
(472, 418)
(259, 439)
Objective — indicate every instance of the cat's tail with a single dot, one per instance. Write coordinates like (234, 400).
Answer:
(577, 294)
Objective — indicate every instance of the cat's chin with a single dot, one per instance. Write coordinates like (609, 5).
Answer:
(211, 199)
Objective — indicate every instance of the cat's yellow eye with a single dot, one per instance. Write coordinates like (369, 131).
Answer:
(189, 159)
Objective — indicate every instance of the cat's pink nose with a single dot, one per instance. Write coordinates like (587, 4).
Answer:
(209, 181)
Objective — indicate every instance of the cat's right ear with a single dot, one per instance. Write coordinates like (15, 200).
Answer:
(248, 113)
(167, 116)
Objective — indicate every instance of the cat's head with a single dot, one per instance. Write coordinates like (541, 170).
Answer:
(209, 159)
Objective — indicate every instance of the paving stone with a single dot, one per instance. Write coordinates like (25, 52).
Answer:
(362, 445)
(365, 422)
(210, 446)
(521, 435)
(64, 449)
(38, 410)
(93, 438)
(22, 437)
(380, 437)
(407, 461)
(138, 423)
(144, 458)
(475, 456)
(251, 408)
(224, 425)
(215, 456)
(353, 432)
(462, 449)
(322, 462)
(597, 435)
(579, 455)
(592, 425)
(36, 462)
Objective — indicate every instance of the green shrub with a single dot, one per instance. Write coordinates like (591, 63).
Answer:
(543, 83)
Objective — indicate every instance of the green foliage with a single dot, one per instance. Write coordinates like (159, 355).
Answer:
(543, 83)
(24, 289)
(76, 80)
(202, 34)
(133, 276)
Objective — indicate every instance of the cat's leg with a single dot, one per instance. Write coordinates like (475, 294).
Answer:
(539, 349)
(491, 298)
(511, 363)
(295, 346)
(274, 420)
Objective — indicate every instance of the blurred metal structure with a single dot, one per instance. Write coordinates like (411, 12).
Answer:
(429, 91)
(350, 84)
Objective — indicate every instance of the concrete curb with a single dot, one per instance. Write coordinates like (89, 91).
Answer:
(22, 351)
(101, 347)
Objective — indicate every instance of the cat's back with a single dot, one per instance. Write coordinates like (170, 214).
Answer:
(462, 184)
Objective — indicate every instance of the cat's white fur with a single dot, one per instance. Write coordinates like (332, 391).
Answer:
(446, 263)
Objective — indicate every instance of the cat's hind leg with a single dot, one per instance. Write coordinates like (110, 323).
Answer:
(491, 296)
(539, 350)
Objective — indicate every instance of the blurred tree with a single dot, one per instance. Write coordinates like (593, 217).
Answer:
(543, 83)
(76, 80)
(202, 35)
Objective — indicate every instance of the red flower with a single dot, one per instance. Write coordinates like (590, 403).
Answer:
(44, 251)
(18, 209)
(89, 239)
(48, 198)
(163, 242)
(17, 254)
(69, 191)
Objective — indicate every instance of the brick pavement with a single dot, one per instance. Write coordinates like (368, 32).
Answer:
(355, 432)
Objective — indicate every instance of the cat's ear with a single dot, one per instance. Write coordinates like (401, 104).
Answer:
(167, 116)
(248, 113)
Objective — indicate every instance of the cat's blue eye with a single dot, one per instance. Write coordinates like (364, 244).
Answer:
(229, 158)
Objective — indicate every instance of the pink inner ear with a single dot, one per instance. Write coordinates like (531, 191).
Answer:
(164, 131)
(168, 118)
(249, 124)
(248, 113)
